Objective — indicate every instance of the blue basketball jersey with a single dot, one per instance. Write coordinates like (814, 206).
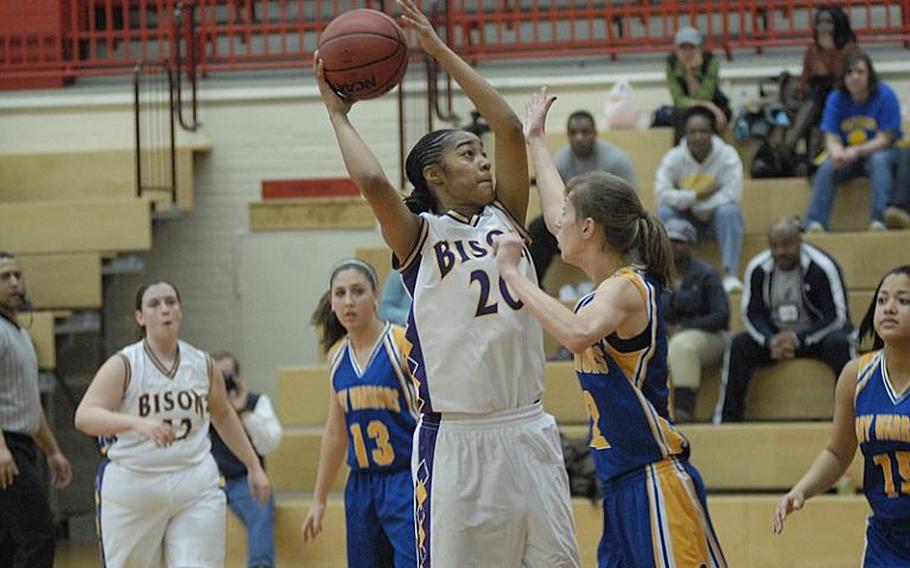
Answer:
(883, 433)
(379, 403)
(624, 384)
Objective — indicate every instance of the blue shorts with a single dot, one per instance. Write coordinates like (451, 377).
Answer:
(379, 512)
(657, 516)
(887, 544)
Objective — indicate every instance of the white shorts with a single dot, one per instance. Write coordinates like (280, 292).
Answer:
(492, 491)
(177, 517)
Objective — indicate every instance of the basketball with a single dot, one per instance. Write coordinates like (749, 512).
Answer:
(364, 54)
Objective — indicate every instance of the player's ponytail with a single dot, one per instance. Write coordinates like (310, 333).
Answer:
(426, 152)
(630, 231)
(323, 318)
(867, 328)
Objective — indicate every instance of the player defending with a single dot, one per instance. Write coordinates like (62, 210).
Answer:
(872, 410)
(157, 488)
(490, 485)
(654, 501)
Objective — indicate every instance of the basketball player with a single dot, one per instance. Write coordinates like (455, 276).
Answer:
(654, 501)
(157, 488)
(371, 419)
(872, 410)
(490, 484)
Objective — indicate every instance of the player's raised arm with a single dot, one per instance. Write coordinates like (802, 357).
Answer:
(399, 226)
(511, 160)
(550, 186)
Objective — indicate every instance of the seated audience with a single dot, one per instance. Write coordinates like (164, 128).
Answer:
(264, 431)
(697, 313)
(701, 180)
(584, 153)
(862, 119)
(692, 78)
(897, 214)
(794, 305)
(823, 68)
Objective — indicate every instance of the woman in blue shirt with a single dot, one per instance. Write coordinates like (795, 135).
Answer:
(861, 121)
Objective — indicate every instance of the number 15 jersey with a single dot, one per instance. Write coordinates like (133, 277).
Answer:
(475, 348)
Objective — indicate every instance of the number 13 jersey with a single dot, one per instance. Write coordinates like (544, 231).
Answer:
(177, 395)
(475, 348)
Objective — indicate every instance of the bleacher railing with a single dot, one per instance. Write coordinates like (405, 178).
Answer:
(76, 38)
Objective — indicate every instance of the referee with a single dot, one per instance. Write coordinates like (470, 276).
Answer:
(27, 538)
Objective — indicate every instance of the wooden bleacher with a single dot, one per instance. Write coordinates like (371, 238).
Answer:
(80, 271)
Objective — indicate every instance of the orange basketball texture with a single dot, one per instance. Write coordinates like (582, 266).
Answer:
(364, 54)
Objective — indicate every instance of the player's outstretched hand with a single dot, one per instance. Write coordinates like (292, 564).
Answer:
(312, 525)
(333, 102)
(508, 249)
(61, 469)
(413, 19)
(159, 432)
(792, 501)
(535, 119)
(8, 469)
(259, 485)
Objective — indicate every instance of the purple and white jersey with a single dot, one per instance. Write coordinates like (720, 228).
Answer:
(475, 348)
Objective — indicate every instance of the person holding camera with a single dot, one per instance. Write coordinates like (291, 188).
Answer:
(264, 430)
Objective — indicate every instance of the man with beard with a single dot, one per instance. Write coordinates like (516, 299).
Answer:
(794, 305)
(697, 314)
(701, 180)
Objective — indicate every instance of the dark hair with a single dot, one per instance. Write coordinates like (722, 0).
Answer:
(140, 292)
(843, 33)
(581, 114)
(701, 111)
(4, 254)
(426, 152)
(849, 62)
(630, 230)
(867, 328)
(219, 355)
(323, 318)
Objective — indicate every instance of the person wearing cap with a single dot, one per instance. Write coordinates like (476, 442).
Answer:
(794, 305)
(701, 180)
(692, 78)
(697, 315)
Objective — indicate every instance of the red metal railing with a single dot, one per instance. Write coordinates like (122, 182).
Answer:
(91, 37)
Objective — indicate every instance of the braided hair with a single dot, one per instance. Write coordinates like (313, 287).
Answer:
(426, 152)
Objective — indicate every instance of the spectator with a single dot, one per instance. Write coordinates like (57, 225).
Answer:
(585, 153)
(823, 68)
(897, 214)
(697, 314)
(862, 120)
(264, 430)
(396, 302)
(692, 77)
(794, 305)
(27, 537)
(701, 180)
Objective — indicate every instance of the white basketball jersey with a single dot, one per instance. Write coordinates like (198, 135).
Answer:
(475, 348)
(178, 395)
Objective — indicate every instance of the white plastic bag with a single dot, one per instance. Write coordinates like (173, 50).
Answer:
(621, 109)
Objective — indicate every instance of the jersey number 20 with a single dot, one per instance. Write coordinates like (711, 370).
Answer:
(377, 431)
(484, 306)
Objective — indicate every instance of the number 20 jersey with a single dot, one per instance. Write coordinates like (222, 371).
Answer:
(475, 348)
(177, 394)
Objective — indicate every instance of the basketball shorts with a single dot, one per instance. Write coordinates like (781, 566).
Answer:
(492, 490)
(379, 516)
(657, 516)
(178, 517)
(887, 544)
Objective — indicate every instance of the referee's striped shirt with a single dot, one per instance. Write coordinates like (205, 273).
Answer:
(20, 401)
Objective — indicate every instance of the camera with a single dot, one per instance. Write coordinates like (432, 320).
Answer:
(229, 381)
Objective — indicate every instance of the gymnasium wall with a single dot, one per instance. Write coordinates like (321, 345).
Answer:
(253, 293)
